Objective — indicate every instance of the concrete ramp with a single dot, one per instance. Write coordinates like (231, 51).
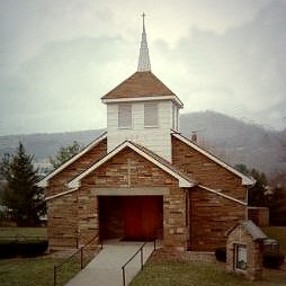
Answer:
(105, 268)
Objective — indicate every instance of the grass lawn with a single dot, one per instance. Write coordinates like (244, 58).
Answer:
(278, 233)
(27, 272)
(35, 271)
(11, 232)
(179, 273)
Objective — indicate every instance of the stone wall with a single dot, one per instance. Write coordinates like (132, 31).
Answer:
(63, 212)
(206, 171)
(210, 215)
(75, 217)
(175, 219)
(88, 219)
(210, 218)
(63, 222)
(57, 183)
(128, 169)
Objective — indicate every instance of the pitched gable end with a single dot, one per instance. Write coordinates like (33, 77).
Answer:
(245, 180)
(184, 181)
(45, 181)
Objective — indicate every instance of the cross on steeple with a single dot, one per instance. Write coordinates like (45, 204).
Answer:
(143, 16)
(144, 60)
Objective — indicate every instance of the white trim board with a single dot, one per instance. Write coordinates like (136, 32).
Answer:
(183, 182)
(216, 192)
(61, 194)
(246, 181)
(45, 181)
(146, 98)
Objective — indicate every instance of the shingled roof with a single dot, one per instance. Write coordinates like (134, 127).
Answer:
(140, 84)
(255, 231)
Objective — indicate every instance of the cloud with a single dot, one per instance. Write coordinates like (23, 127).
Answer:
(239, 72)
(57, 58)
(65, 81)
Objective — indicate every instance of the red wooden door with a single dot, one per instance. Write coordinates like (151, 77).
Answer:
(142, 217)
(132, 218)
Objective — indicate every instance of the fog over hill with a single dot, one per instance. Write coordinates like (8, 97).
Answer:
(230, 139)
(236, 141)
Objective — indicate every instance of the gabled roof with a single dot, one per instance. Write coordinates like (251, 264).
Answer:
(141, 85)
(165, 162)
(244, 179)
(45, 181)
(184, 181)
(162, 161)
(255, 232)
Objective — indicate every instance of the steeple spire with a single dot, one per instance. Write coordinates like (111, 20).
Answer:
(144, 59)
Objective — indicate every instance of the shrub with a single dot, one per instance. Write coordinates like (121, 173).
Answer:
(220, 254)
(9, 249)
(273, 260)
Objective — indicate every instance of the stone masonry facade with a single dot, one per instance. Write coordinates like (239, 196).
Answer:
(210, 215)
(63, 212)
(193, 218)
(116, 173)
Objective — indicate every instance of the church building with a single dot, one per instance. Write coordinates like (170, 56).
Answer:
(143, 180)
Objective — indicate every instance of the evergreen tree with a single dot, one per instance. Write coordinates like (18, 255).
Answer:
(21, 195)
(64, 154)
(257, 195)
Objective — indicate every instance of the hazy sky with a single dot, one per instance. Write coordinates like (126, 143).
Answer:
(59, 57)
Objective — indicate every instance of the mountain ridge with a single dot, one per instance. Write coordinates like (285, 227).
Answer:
(229, 138)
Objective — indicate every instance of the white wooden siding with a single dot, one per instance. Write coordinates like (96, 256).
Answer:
(157, 139)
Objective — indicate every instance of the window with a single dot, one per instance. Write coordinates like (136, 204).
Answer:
(125, 115)
(150, 114)
(240, 256)
(175, 117)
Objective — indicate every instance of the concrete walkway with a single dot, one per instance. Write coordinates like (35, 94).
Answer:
(105, 268)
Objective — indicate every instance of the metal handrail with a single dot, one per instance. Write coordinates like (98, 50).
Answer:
(131, 258)
(80, 250)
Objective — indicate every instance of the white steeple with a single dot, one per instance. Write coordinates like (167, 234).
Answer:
(144, 59)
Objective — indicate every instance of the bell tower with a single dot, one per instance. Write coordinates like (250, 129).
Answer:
(142, 109)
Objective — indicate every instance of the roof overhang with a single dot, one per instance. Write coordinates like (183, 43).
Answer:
(173, 98)
(45, 181)
(183, 182)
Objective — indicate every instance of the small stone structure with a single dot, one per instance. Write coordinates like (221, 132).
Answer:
(244, 250)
